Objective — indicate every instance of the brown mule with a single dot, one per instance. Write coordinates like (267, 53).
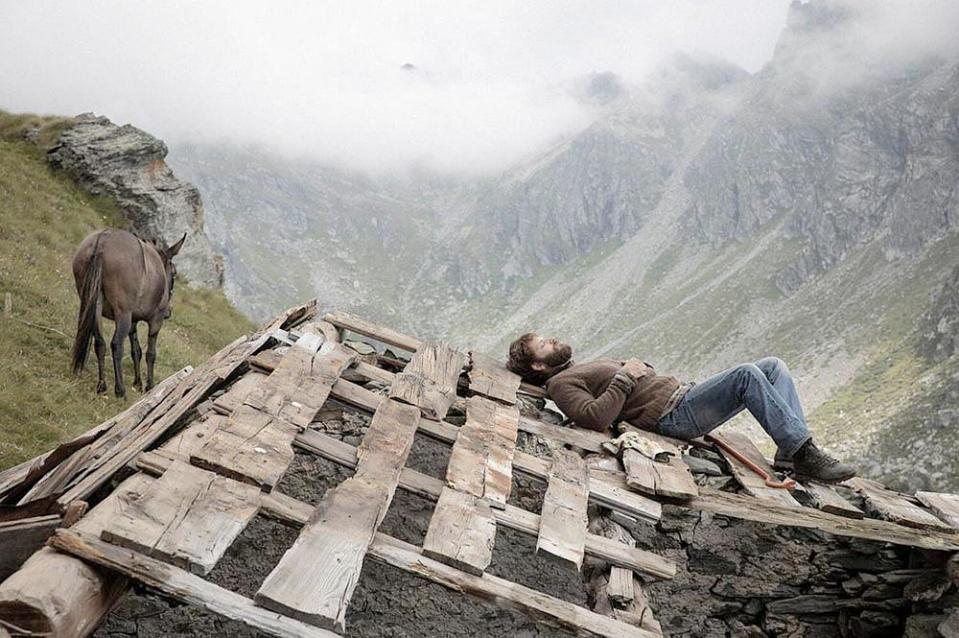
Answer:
(126, 279)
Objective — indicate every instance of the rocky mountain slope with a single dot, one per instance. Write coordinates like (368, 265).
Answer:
(706, 217)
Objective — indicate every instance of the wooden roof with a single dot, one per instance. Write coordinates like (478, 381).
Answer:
(210, 445)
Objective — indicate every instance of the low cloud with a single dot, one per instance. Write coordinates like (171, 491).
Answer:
(453, 87)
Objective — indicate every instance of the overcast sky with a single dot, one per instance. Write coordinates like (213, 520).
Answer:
(326, 78)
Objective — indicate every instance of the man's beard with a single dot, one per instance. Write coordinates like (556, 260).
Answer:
(559, 356)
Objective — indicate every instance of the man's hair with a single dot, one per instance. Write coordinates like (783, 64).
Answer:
(521, 360)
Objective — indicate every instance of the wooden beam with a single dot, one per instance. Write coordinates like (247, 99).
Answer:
(562, 531)
(828, 500)
(751, 509)
(366, 328)
(20, 539)
(429, 379)
(316, 577)
(889, 506)
(620, 588)
(185, 396)
(481, 461)
(296, 390)
(749, 480)
(462, 531)
(52, 472)
(541, 607)
(189, 517)
(946, 506)
(182, 585)
(671, 479)
(588, 440)
(489, 377)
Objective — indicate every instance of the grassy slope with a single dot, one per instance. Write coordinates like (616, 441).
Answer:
(42, 219)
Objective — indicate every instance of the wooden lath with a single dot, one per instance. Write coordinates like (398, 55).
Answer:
(429, 379)
(563, 528)
(316, 577)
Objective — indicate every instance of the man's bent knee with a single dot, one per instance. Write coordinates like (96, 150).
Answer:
(772, 366)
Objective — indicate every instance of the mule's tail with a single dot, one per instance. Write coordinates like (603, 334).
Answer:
(87, 321)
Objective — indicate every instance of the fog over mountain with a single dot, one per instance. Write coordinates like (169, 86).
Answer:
(695, 183)
(450, 86)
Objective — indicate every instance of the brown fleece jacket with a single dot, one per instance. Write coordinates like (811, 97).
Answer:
(594, 396)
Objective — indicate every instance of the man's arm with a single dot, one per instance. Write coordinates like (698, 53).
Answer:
(587, 411)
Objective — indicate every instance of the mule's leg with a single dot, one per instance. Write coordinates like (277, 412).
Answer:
(100, 347)
(136, 354)
(123, 321)
(154, 330)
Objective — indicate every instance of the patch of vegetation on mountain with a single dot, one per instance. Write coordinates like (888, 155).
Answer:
(43, 217)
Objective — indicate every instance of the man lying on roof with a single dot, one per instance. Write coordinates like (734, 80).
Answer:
(597, 394)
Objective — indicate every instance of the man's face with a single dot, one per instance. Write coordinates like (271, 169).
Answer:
(549, 352)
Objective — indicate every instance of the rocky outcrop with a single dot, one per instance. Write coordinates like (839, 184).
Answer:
(941, 338)
(127, 165)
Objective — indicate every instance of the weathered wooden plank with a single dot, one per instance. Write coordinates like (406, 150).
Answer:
(889, 506)
(946, 506)
(586, 439)
(252, 447)
(316, 577)
(429, 379)
(20, 539)
(296, 390)
(366, 328)
(828, 500)
(55, 480)
(481, 462)
(749, 508)
(749, 480)
(490, 377)
(182, 585)
(671, 479)
(462, 531)
(620, 587)
(541, 607)
(562, 531)
(236, 394)
(188, 517)
(193, 437)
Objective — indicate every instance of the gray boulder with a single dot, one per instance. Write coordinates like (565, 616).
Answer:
(127, 165)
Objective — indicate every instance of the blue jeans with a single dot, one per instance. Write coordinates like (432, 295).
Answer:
(765, 388)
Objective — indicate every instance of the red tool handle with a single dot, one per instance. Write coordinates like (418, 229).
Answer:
(788, 484)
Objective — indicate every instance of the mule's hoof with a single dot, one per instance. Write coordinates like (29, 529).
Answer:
(120, 394)
(138, 386)
(101, 388)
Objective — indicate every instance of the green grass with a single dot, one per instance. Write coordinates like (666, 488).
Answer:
(43, 217)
